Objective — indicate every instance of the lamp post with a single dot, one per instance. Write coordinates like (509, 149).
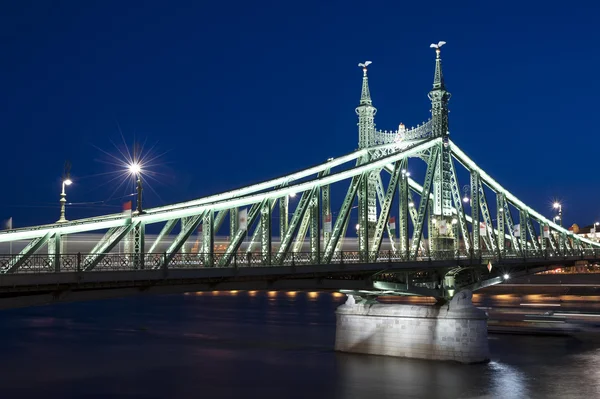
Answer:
(63, 200)
(136, 170)
(558, 205)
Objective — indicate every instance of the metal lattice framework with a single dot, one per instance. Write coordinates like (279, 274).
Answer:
(434, 223)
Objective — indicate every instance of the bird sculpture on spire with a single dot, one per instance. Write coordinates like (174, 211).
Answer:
(437, 47)
(364, 66)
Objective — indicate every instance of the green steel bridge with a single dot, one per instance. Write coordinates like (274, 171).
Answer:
(442, 242)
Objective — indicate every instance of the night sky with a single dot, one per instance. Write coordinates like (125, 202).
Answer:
(231, 93)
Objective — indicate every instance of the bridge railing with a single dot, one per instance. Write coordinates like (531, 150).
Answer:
(51, 263)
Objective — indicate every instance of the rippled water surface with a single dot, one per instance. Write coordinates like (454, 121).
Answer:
(256, 345)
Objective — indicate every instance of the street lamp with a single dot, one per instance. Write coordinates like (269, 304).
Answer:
(558, 205)
(465, 193)
(63, 200)
(136, 170)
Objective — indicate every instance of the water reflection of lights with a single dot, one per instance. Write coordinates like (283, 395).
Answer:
(252, 293)
(337, 294)
(507, 381)
(291, 293)
(233, 292)
(215, 292)
(272, 294)
(540, 304)
(313, 295)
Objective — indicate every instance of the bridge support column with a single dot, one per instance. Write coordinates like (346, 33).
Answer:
(454, 331)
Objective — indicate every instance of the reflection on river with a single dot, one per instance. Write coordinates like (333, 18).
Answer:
(261, 345)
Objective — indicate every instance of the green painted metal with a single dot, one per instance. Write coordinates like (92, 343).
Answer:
(265, 227)
(440, 224)
(475, 213)
(208, 238)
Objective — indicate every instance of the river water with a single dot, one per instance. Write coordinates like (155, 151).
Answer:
(256, 345)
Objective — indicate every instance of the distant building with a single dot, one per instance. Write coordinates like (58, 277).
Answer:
(591, 231)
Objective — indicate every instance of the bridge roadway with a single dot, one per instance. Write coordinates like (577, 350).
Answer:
(115, 276)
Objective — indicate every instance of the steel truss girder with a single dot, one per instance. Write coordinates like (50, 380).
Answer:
(423, 203)
(302, 230)
(234, 222)
(326, 211)
(462, 220)
(257, 236)
(297, 217)
(386, 205)
(306, 221)
(55, 251)
(414, 214)
(363, 217)
(208, 238)
(139, 242)
(283, 215)
(475, 181)
(500, 223)
(31, 248)
(219, 219)
(315, 236)
(489, 226)
(496, 187)
(543, 243)
(403, 212)
(235, 243)
(532, 234)
(187, 229)
(511, 227)
(442, 180)
(265, 229)
(165, 231)
(341, 221)
(523, 231)
(110, 239)
(381, 197)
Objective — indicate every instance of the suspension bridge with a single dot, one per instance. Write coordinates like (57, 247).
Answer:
(442, 243)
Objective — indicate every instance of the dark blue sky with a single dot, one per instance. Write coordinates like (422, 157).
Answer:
(237, 92)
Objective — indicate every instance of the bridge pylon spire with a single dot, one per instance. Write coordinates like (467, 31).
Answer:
(367, 199)
(366, 112)
(441, 235)
(439, 96)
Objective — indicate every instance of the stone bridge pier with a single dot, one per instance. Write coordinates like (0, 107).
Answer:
(456, 330)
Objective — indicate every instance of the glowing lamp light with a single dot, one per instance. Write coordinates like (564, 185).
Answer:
(454, 221)
(411, 204)
(506, 276)
(357, 227)
(135, 168)
(68, 182)
(466, 199)
(556, 205)
(292, 195)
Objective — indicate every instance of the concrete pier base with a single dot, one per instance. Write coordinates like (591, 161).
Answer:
(454, 331)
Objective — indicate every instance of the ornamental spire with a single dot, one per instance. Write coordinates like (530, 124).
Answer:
(366, 112)
(439, 96)
(365, 94)
(438, 78)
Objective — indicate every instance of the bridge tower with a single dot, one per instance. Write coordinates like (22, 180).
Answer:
(367, 200)
(442, 231)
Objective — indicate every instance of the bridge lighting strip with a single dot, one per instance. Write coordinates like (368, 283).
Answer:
(193, 207)
(469, 164)
(281, 192)
(332, 163)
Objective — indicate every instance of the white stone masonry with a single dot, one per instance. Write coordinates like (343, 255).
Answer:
(454, 331)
